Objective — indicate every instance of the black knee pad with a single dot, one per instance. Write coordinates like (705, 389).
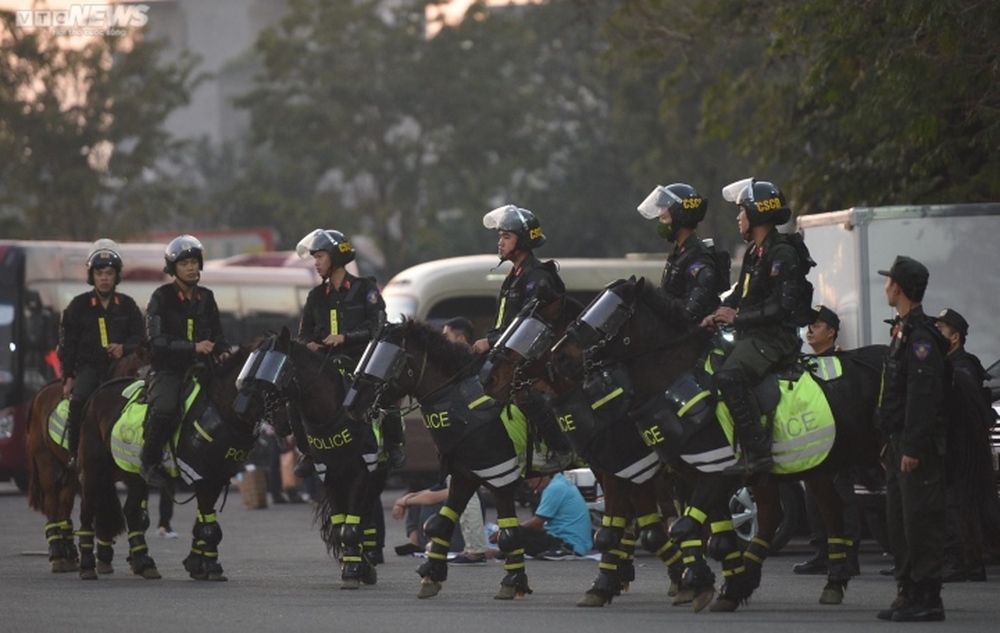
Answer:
(685, 529)
(439, 526)
(721, 544)
(607, 538)
(352, 535)
(653, 537)
(210, 533)
(509, 539)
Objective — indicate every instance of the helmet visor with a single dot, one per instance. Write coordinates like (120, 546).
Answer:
(505, 218)
(183, 244)
(731, 192)
(318, 240)
(658, 201)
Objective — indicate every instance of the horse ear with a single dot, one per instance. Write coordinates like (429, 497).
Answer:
(640, 283)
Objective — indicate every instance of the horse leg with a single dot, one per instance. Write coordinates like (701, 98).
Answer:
(515, 582)
(742, 571)
(356, 528)
(831, 509)
(374, 484)
(137, 519)
(439, 529)
(652, 534)
(202, 562)
(615, 570)
(698, 581)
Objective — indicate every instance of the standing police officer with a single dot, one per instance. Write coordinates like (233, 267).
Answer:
(766, 309)
(97, 328)
(341, 315)
(690, 276)
(184, 328)
(911, 412)
(518, 233)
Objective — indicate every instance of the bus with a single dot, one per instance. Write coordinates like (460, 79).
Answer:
(38, 279)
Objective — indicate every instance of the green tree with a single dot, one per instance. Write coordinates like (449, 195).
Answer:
(81, 132)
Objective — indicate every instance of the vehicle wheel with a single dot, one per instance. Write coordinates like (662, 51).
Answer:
(744, 511)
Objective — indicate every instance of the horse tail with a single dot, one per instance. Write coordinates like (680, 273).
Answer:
(325, 508)
(99, 492)
(36, 447)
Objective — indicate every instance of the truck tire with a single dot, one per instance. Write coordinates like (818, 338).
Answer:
(744, 511)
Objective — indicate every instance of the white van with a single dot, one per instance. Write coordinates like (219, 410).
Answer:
(468, 286)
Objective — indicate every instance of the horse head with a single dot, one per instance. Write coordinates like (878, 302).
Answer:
(409, 358)
(520, 358)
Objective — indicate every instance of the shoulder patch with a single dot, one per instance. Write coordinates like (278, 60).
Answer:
(529, 287)
(372, 296)
(695, 268)
(921, 350)
(776, 268)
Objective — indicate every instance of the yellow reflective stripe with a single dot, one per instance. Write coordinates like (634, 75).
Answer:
(746, 285)
(478, 401)
(334, 326)
(353, 519)
(448, 513)
(337, 519)
(101, 323)
(695, 514)
(722, 526)
(503, 306)
(190, 329)
(440, 541)
(611, 396)
(840, 541)
(753, 557)
(507, 522)
(693, 401)
(201, 431)
(608, 566)
(648, 519)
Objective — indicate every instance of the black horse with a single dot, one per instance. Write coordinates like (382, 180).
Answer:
(628, 470)
(208, 449)
(666, 361)
(346, 452)
(414, 359)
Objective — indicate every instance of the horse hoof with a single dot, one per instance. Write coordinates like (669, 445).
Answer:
(683, 596)
(151, 573)
(672, 590)
(703, 599)
(88, 574)
(63, 565)
(216, 577)
(429, 588)
(506, 593)
(350, 583)
(592, 600)
(104, 568)
(831, 596)
(369, 576)
(724, 605)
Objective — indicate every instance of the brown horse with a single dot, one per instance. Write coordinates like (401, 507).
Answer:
(208, 449)
(601, 433)
(53, 487)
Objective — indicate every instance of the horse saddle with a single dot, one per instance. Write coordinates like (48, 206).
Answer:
(203, 444)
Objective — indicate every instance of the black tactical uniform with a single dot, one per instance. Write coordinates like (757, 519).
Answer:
(85, 331)
(690, 277)
(911, 414)
(174, 325)
(521, 285)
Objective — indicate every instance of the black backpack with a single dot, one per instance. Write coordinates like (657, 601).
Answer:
(723, 266)
(802, 315)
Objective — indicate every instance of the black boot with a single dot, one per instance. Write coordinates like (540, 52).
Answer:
(755, 441)
(926, 605)
(559, 455)
(73, 432)
(817, 564)
(157, 431)
(903, 598)
(393, 438)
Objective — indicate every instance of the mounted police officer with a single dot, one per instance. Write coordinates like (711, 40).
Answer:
(519, 233)
(184, 330)
(690, 276)
(97, 328)
(770, 302)
(912, 414)
(341, 316)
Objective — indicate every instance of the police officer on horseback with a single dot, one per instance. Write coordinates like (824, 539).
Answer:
(97, 328)
(184, 330)
(341, 316)
(519, 233)
(691, 275)
(771, 301)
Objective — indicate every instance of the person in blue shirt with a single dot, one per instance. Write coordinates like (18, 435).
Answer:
(560, 527)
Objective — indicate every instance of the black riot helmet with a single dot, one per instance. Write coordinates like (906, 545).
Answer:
(762, 200)
(518, 221)
(333, 242)
(686, 207)
(183, 247)
(104, 253)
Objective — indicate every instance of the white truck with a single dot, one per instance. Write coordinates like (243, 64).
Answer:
(957, 243)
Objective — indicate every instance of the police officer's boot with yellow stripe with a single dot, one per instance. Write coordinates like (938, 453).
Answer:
(755, 441)
(73, 432)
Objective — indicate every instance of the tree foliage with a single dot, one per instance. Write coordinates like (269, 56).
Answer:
(81, 130)
(860, 103)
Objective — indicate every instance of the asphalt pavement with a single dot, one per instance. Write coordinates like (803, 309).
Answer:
(281, 579)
